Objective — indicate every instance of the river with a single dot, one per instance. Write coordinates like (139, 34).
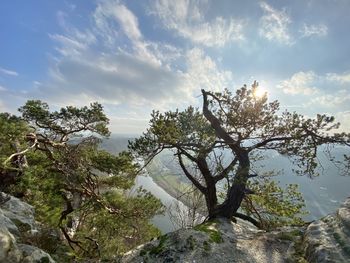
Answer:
(163, 222)
(323, 194)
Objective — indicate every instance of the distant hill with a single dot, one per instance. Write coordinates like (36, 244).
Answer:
(116, 143)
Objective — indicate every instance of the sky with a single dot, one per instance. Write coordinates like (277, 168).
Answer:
(135, 56)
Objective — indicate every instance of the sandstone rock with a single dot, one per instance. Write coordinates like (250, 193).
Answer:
(16, 220)
(328, 239)
(6, 223)
(221, 241)
(20, 213)
(6, 243)
(33, 254)
(323, 241)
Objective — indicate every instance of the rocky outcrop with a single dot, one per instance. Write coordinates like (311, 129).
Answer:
(17, 224)
(219, 241)
(323, 241)
(328, 239)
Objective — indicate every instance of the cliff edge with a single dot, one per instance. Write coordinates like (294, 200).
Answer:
(323, 241)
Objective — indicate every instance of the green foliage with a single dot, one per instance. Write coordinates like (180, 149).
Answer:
(187, 129)
(216, 146)
(206, 246)
(12, 129)
(209, 227)
(12, 138)
(154, 250)
(272, 206)
(117, 234)
(158, 249)
(254, 121)
(67, 120)
(73, 184)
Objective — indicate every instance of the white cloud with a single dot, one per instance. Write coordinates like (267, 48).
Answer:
(328, 90)
(126, 19)
(320, 30)
(274, 25)
(68, 46)
(37, 83)
(73, 41)
(114, 75)
(113, 79)
(145, 73)
(136, 125)
(61, 18)
(344, 119)
(203, 72)
(341, 78)
(127, 79)
(299, 83)
(187, 18)
(113, 19)
(119, 67)
(338, 99)
(8, 72)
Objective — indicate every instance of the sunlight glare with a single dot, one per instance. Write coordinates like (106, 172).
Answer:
(259, 92)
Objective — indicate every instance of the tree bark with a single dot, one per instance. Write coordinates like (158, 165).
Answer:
(211, 199)
(237, 191)
(234, 196)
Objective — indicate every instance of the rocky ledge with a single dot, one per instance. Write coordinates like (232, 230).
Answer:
(17, 225)
(323, 241)
(220, 241)
(328, 240)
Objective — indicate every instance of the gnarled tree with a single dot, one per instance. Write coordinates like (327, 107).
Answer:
(239, 125)
(74, 184)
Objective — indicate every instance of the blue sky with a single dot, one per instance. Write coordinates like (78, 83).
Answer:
(135, 56)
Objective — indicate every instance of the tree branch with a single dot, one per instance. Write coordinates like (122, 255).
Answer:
(247, 218)
(24, 151)
(225, 172)
(219, 130)
(189, 175)
(263, 143)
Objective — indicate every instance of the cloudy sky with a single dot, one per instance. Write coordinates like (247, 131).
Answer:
(135, 56)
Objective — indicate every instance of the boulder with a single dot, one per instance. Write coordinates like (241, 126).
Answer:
(16, 222)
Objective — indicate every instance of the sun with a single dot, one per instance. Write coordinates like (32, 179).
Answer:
(259, 92)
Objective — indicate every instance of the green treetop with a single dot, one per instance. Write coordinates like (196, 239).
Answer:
(73, 184)
(244, 125)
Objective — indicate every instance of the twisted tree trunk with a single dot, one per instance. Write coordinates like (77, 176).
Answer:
(238, 189)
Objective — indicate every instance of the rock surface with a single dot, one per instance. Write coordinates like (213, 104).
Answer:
(323, 241)
(17, 223)
(219, 241)
(328, 239)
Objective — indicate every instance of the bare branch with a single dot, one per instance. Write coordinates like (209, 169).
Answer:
(189, 175)
(247, 218)
(22, 152)
(226, 171)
